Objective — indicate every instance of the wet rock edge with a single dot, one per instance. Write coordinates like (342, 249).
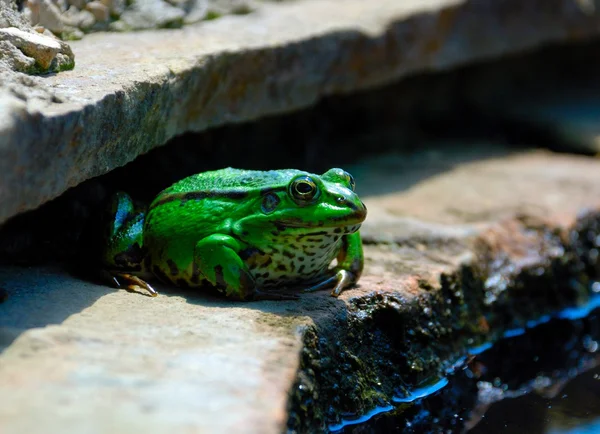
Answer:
(385, 343)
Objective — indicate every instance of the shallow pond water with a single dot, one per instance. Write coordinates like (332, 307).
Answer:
(542, 378)
(574, 410)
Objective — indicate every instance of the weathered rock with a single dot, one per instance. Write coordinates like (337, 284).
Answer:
(101, 11)
(66, 20)
(14, 58)
(55, 17)
(164, 370)
(462, 244)
(151, 15)
(51, 16)
(9, 17)
(47, 53)
(116, 7)
(196, 10)
(83, 19)
(29, 51)
(79, 4)
(226, 7)
(284, 58)
(39, 47)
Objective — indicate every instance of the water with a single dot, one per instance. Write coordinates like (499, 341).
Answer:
(415, 395)
(542, 378)
(574, 410)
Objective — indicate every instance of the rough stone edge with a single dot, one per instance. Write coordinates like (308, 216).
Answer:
(534, 267)
(90, 139)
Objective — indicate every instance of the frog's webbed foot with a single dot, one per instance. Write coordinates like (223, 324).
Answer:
(132, 283)
(341, 280)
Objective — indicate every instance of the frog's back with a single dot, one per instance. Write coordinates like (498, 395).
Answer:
(232, 180)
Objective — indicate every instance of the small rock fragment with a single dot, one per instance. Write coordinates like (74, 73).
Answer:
(42, 48)
(85, 20)
(196, 11)
(115, 7)
(48, 15)
(227, 7)
(99, 10)
(14, 58)
(62, 5)
(81, 19)
(52, 17)
(65, 61)
(31, 14)
(9, 16)
(152, 14)
(79, 4)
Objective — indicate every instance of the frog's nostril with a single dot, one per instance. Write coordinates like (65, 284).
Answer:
(340, 199)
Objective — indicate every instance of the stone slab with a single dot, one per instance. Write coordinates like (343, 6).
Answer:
(83, 357)
(107, 363)
(132, 92)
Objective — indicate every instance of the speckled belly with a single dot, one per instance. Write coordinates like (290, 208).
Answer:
(296, 260)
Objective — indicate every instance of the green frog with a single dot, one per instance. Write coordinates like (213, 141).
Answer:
(251, 234)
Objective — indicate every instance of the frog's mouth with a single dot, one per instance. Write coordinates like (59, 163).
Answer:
(352, 221)
(344, 219)
(305, 230)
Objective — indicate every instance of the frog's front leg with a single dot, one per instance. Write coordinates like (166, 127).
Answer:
(350, 262)
(218, 260)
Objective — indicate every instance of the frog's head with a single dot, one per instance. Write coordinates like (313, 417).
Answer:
(309, 201)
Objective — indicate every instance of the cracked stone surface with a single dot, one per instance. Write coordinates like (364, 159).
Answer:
(133, 92)
(461, 243)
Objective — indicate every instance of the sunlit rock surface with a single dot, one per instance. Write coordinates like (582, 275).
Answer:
(462, 242)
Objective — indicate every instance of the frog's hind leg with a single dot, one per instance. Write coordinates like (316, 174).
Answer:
(131, 283)
(124, 222)
(124, 253)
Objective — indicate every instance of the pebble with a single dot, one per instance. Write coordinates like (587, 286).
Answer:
(100, 11)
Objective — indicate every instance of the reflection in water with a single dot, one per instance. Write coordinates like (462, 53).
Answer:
(575, 410)
(526, 382)
(415, 395)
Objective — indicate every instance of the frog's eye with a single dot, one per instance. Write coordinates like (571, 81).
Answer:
(303, 189)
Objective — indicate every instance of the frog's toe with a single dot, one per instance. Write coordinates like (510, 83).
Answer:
(145, 290)
(345, 279)
(133, 284)
(341, 280)
(322, 284)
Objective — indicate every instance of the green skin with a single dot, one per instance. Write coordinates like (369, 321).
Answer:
(248, 233)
